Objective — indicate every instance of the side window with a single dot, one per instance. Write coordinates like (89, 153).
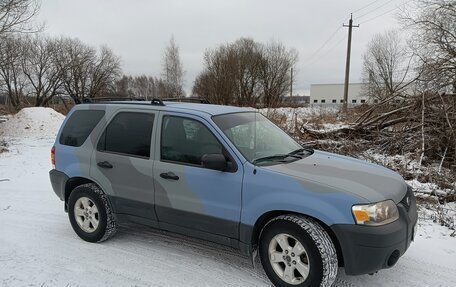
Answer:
(79, 126)
(185, 140)
(128, 133)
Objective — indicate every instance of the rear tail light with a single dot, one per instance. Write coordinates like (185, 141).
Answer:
(53, 157)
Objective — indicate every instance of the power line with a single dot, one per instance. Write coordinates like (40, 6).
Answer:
(368, 5)
(323, 45)
(375, 9)
(320, 48)
(337, 44)
(389, 11)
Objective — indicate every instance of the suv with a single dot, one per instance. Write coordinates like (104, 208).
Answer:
(229, 175)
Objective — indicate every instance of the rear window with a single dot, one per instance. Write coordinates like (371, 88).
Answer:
(79, 126)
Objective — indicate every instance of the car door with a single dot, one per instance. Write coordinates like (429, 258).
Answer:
(186, 194)
(122, 162)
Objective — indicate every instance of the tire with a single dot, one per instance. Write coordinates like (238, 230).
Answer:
(313, 263)
(90, 213)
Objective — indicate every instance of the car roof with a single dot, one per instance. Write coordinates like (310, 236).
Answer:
(209, 109)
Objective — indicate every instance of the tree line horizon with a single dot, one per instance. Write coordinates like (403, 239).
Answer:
(36, 68)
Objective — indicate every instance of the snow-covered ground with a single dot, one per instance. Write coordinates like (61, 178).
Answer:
(39, 248)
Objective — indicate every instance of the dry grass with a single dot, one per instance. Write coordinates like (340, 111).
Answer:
(3, 146)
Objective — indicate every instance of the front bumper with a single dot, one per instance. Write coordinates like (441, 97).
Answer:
(367, 249)
(58, 182)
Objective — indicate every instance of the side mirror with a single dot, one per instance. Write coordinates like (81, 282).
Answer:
(215, 161)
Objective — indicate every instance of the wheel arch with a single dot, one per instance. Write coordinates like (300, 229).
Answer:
(71, 184)
(268, 216)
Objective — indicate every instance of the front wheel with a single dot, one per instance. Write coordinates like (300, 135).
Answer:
(297, 251)
(90, 213)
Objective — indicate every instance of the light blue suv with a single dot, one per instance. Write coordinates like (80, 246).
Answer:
(231, 176)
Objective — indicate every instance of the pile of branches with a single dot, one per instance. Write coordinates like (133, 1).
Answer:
(423, 125)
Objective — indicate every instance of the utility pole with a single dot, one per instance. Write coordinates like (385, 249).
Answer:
(291, 83)
(347, 64)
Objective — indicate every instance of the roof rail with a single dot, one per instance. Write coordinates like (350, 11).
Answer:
(108, 99)
(157, 102)
(187, 100)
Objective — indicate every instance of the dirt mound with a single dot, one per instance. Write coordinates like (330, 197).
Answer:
(36, 122)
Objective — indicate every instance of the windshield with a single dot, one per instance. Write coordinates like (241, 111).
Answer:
(258, 139)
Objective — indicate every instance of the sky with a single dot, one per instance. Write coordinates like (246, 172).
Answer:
(139, 30)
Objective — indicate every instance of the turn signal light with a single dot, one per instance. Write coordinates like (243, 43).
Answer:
(361, 215)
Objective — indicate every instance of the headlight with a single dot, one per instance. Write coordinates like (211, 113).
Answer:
(375, 214)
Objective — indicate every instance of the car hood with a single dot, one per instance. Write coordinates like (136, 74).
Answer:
(366, 180)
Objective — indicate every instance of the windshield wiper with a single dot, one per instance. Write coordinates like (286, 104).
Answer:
(270, 158)
(294, 155)
(300, 151)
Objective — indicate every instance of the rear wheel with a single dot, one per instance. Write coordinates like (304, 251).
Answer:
(90, 213)
(297, 251)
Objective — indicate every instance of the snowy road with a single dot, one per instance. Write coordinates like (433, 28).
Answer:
(39, 248)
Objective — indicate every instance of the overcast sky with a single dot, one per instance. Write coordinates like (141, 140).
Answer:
(138, 30)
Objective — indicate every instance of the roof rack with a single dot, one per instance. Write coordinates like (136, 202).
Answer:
(187, 100)
(155, 101)
(108, 99)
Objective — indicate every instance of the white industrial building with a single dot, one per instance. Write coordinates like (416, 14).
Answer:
(334, 94)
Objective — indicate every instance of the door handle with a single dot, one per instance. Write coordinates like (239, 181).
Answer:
(169, 175)
(105, 164)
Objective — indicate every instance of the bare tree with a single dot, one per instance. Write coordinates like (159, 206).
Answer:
(387, 69)
(40, 67)
(173, 72)
(15, 15)
(143, 87)
(221, 74)
(103, 73)
(246, 73)
(86, 71)
(12, 80)
(249, 60)
(204, 86)
(76, 60)
(275, 72)
(434, 28)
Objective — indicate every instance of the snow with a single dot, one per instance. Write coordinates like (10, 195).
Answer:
(426, 187)
(302, 111)
(33, 123)
(39, 248)
(289, 118)
(411, 165)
